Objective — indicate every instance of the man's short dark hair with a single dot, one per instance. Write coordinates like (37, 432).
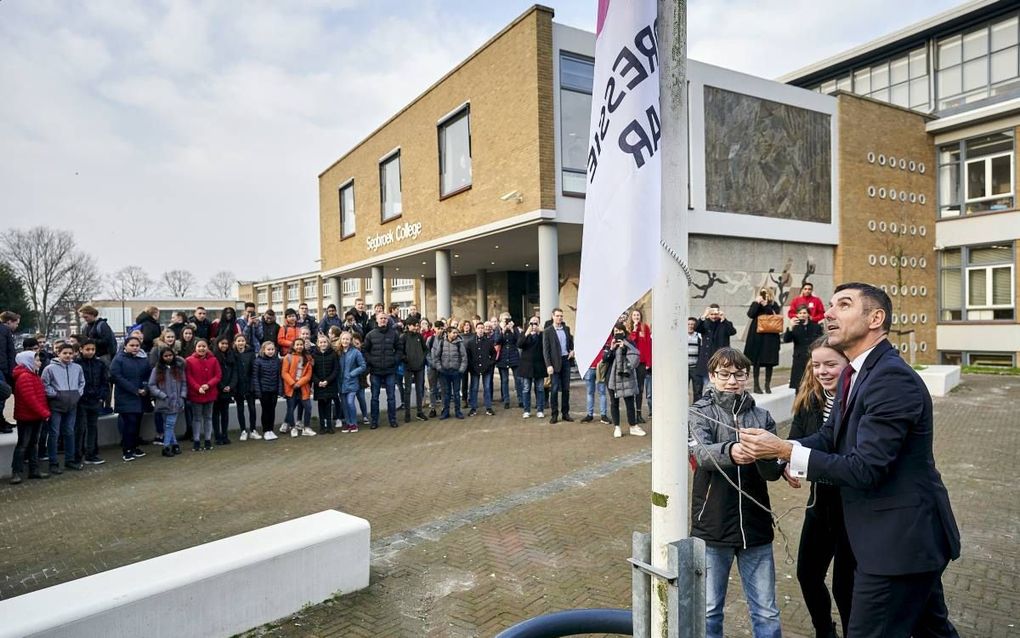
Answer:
(724, 357)
(290, 312)
(64, 346)
(199, 308)
(713, 305)
(873, 298)
(249, 304)
(806, 284)
(694, 319)
(86, 342)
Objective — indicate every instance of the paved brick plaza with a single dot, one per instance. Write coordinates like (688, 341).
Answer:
(478, 524)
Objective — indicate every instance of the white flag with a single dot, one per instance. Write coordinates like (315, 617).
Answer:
(620, 242)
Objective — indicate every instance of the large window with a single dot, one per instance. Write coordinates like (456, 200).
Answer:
(277, 294)
(576, 78)
(399, 285)
(389, 187)
(455, 153)
(976, 175)
(977, 283)
(351, 286)
(979, 64)
(292, 292)
(311, 291)
(902, 81)
(327, 288)
(263, 297)
(347, 210)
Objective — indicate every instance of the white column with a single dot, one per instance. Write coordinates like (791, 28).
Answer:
(378, 290)
(670, 310)
(444, 302)
(336, 296)
(548, 269)
(481, 293)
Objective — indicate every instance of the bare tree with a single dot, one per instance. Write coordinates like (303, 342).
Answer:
(179, 282)
(55, 273)
(130, 282)
(221, 285)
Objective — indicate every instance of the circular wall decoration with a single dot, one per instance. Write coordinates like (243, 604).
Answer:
(895, 319)
(913, 262)
(903, 293)
(872, 260)
(913, 293)
(921, 199)
(913, 198)
(924, 318)
(904, 347)
(924, 346)
(923, 229)
(881, 193)
(872, 191)
(922, 262)
(881, 160)
(883, 260)
(893, 291)
(893, 261)
(913, 230)
(871, 157)
(893, 227)
(903, 318)
(884, 287)
(872, 225)
(920, 168)
(913, 166)
(892, 162)
(903, 196)
(913, 318)
(882, 226)
(924, 293)
(903, 164)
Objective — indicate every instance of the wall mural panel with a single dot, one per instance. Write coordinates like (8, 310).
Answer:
(765, 158)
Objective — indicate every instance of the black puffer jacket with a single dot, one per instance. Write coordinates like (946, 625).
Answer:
(481, 355)
(720, 515)
(245, 361)
(265, 375)
(413, 350)
(228, 370)
(325, 367)
(97, 381)
(380, 350)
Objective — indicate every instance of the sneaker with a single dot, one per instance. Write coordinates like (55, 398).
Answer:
(444, 416)
(270, 436)
(407, 417)
(460, 415)
(365, 421)
(506, 405)
(394, 424)
(588, 419)
(472, 412)
(540, 414)
(94, 460)
(635, 430)
(208, 445)
(255, 436)
(307, 432)
(432, 413)
(176, 450)
(489, 412)
(138, 453)
(344, 428)
(43, 475)
(338, 424)
(421, 416)
(244, 435)
(526, 415)
(167, 451)
(74, 467)
(127, 456)
(617, 432)
(55, 469)
(225, 441)
(353, 428)
(373, 426)
(158, 443)
(196, 447)
(284, 428)
(294, 432)
(605, 419)
(16, 479)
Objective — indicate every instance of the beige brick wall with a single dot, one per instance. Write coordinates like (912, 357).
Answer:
(508, 83)
(868, 221)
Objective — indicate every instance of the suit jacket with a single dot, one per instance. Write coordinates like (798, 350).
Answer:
(551, 347)
(896, 508)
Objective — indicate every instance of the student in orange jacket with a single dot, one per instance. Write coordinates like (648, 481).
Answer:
(296, 371)
(289, 331)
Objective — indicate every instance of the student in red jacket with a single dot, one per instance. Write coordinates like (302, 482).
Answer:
(641, 336)
(815, 306)
(203, 374)
(30, 412)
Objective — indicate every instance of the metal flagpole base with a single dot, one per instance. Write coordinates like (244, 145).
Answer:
(684, 587)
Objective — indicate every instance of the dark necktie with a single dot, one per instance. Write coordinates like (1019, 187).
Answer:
(844, 379)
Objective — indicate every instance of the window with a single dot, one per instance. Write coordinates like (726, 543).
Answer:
(263, 296)
(979, 64)
(977, 283)
(902, 81)
(277, 294)
(455, 153)
(399, 285)
(576, 78)
(351, 286)
(368, 285)
(310, 290)
(347, 210)
(292, 292)
(389, 187)
(976, 176)
(327, 288)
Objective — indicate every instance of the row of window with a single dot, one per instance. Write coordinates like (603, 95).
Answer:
(454, 139)
(311, 289)
(980, 63)
(977, 175)
(977, 283)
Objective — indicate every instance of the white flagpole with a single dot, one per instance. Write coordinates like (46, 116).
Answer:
(670, 306)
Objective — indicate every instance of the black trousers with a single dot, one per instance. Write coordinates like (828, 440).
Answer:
(221, 416)
(614, 408)
(697, 381)
(27, 445)
(326, 413)
(129, 422)
(241, 400)
(642, 373)
(416, 378)
(822, 539)
(899, 607)
(86, 433)
(268, 402)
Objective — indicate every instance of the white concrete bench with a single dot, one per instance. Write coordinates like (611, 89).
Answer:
(940, 380)
(7, 443)
(217, 589)
(779, 403)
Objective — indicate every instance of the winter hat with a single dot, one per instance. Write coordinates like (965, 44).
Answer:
(26, 359)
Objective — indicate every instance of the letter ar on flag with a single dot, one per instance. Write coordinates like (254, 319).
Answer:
(620, 240)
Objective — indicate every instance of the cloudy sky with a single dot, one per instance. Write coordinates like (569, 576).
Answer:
(189, 134)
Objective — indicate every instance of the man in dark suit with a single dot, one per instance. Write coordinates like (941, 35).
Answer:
(558, 351)
(877, 447)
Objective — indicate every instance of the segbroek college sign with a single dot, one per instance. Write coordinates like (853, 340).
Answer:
(403, 232)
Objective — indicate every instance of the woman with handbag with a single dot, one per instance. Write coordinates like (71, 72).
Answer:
(762, 346)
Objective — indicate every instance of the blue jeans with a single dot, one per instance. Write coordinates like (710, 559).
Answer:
(351, 407)
(296, 403)
(390, 380)
(62, 423)
(758, 575)
(525, 384)
(504, 385)
(486, 378)
(359, 396)
(592, 386)
(169, 421)
(451, 385)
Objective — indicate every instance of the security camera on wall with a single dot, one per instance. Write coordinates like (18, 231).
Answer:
(513, 195)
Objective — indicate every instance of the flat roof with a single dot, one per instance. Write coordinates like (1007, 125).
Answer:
(956, 18)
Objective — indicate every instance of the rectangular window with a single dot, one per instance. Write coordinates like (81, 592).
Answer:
(310, 290)
(347, 210)
(400, 285)
(263, 296)
(277, 294)
(979, 64)
(902, 81)
(976, 175)
(292, 292)
(577, 75)
(389, 187)
(455, 153)
(327, 288)
(351, 286)
(368, 285)
(977, 283)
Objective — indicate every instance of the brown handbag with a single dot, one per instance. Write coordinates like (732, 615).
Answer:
(770, 324)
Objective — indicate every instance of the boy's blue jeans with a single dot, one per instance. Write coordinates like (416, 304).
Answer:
(591, 387)
(390, 382)
(486, 379)
(62, 423)
(757, 574)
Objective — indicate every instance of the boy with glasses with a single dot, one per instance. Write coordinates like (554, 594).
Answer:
(726, 518)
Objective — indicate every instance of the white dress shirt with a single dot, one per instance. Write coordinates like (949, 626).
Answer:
(800, 455)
